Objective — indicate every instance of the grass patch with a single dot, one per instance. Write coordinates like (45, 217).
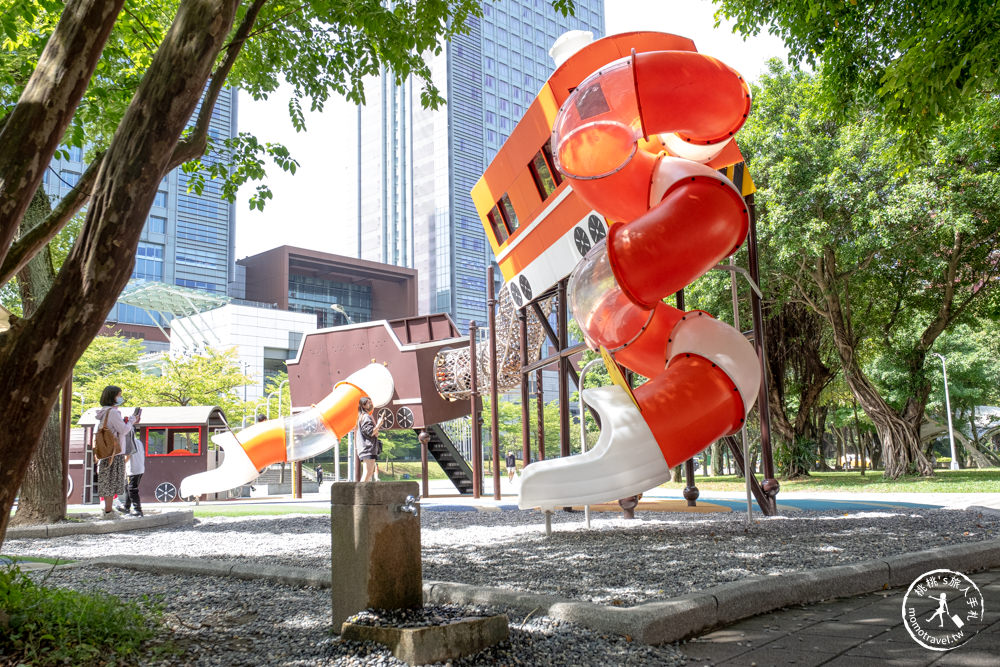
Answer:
(254, 510)
(986, 480)
(393, 471)
(55, 626)
(37, 559)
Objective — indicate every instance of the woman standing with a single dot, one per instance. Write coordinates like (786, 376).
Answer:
(369, 445)
(111, 471)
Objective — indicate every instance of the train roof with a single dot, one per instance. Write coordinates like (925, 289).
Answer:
(188, 415)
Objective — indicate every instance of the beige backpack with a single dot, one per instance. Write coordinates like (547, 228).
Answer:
(105, 442)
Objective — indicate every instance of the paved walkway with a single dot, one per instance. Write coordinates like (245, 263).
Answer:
(863, 631)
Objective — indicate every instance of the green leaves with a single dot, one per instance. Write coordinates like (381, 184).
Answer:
(914, 63)
(55, 626)
(238, 161)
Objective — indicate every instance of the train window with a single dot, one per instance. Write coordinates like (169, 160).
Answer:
(498, 225)
(543, 175)
(185, 442)
(547, 150)
(509, 215)
(156, 441)
(173, 441)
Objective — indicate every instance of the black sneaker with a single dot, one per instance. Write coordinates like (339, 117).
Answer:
(122, 509)
(136, 512)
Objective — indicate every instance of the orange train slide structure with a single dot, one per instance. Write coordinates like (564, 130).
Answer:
(614, 175)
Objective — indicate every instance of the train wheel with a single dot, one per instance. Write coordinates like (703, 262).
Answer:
(385, 414)
(582, 241)
(165, 492)
(405, 417)
(525, 287)
(596, 228)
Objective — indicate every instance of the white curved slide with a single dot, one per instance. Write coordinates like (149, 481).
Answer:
(626, 460)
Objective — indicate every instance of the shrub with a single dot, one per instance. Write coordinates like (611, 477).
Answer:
(793, 459)
(54, 626)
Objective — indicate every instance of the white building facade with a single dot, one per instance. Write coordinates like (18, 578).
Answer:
(264, 338)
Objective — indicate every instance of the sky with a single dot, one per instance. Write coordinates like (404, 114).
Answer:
(316, 207)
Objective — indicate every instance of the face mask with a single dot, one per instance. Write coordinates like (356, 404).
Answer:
(119, 400)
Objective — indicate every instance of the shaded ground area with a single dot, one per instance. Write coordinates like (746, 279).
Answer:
(864, 631)
(658, 555)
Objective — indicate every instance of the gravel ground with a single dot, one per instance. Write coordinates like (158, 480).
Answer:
(658, 555)
(220, 621)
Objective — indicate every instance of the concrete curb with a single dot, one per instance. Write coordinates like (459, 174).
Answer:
(652, 622)
(122, 525)
(675, 619)
(290, 576)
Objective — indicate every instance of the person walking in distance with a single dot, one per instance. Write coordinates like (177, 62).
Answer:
(511, 466)
(111, 471)
(369, 445)
(135, 466)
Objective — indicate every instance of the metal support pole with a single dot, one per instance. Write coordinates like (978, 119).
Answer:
(747, 472)
(282, 384)
(583, 425)
(477, 447)
(522, 321)
(64, 423)
(297, 479)
(424, 439)
(691, 491)
(336, 458)
(770, 484)
(541, 415)
(491, 318)
(563, 331)
(947, 406)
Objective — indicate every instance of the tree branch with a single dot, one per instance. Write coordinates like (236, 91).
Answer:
(195, 143)
(30, 244)
(38, 122)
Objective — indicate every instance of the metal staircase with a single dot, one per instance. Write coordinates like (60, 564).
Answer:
(450, 459)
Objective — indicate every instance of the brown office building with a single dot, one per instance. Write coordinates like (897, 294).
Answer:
(307, 281)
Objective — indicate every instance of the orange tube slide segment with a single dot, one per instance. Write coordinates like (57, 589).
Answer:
(696, 96)
(647, 353)
(264, 442)
(623, 195)
(689, 406)
(699, 222)
(340, 408)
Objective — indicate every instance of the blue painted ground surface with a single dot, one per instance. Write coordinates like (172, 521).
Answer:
(820, 505)
(789, 504)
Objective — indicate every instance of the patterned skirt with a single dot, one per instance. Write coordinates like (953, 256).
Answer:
(111, 477)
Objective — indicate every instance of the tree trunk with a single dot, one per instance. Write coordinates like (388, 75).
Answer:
(41, 500)
(37, 355)
(677, 474)
(899, 436)
(716, 464)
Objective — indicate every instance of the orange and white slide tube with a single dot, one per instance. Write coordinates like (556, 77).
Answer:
(679, 218)
(301, 436)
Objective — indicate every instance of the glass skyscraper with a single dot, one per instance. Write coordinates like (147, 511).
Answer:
(189, 238)
(417, 167)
